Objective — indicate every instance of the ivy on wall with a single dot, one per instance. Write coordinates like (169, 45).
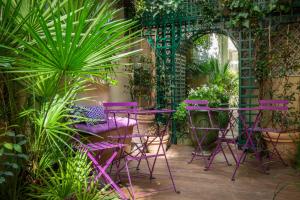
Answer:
(247, 13)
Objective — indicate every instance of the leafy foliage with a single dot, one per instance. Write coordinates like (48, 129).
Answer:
(72, 180)
(141, 81)
(156, 7)
(248, 13)
(51, 50)
(220, 75)
(11, 154)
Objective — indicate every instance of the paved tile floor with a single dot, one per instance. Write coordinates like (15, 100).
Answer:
(195, 183)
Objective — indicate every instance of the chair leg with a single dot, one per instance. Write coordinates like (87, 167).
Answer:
(231, 151)
(274, 144)
(239, 161)
(225, 156)
(212, 156)
(170, 173)
(129, 179)
(103, 173)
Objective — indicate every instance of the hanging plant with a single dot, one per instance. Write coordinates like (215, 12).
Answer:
(156, 7)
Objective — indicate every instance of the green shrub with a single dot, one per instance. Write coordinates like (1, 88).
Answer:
(72, 180)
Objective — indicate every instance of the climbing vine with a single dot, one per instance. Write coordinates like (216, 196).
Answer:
(156, 7)
(247, 13)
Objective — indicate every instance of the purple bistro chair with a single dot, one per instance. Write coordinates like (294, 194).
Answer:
(226, 136)
(250, 130)
(160, 133)
(194, 106)
(94, 152)
(276, 107)
(128, 110)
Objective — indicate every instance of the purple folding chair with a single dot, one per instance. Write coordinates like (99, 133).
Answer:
(276, 107)
(94, 152)
(194, 106)
(224, 137)
(160, 133)
(250, 130)
(128, 110)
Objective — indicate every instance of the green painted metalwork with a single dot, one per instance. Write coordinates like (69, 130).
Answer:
(166, 33)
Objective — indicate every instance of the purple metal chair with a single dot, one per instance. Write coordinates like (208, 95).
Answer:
(94, 152)
(224, 137)
(276, 107)
(250, 130)
(194, 106)
(160, 133)
(128, 110)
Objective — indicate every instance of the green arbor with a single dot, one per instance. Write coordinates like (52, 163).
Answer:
(194, 18)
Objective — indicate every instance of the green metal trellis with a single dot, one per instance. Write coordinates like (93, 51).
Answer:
(166, 33)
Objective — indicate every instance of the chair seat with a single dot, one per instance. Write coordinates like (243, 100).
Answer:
(126, 136)
(103, 145)
(264, 130)
(129, 157)
(199, 128)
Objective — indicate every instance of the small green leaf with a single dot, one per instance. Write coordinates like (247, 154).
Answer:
(1, 151)
(13, 165)
(18, 148)
(7, 173)
(256, 8)
(22, 156)
(10, 133)
(20, 135)
(246, 23)
(22, 142)
(8, 146)
(2, 179)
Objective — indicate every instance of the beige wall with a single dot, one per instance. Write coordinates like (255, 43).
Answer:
(119, 92)
(95, 93)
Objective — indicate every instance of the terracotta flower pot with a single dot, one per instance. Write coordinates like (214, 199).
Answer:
(147, 126)
(153, 147)
(145, 122)
(286, 144)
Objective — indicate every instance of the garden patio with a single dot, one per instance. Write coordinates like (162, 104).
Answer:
(149, 99)
(215, 184)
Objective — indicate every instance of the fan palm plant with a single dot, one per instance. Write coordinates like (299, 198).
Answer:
(220, 75)
(52, 49)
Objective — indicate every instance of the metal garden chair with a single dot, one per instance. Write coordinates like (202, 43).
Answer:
(279, 108)
(128, 110)
(94, 152)
(199, 133)
(273, 106)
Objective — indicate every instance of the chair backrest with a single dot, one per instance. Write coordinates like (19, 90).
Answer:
(120, 106)
(275, 113)
(274, 105)
(127, 107)
(198, 106)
